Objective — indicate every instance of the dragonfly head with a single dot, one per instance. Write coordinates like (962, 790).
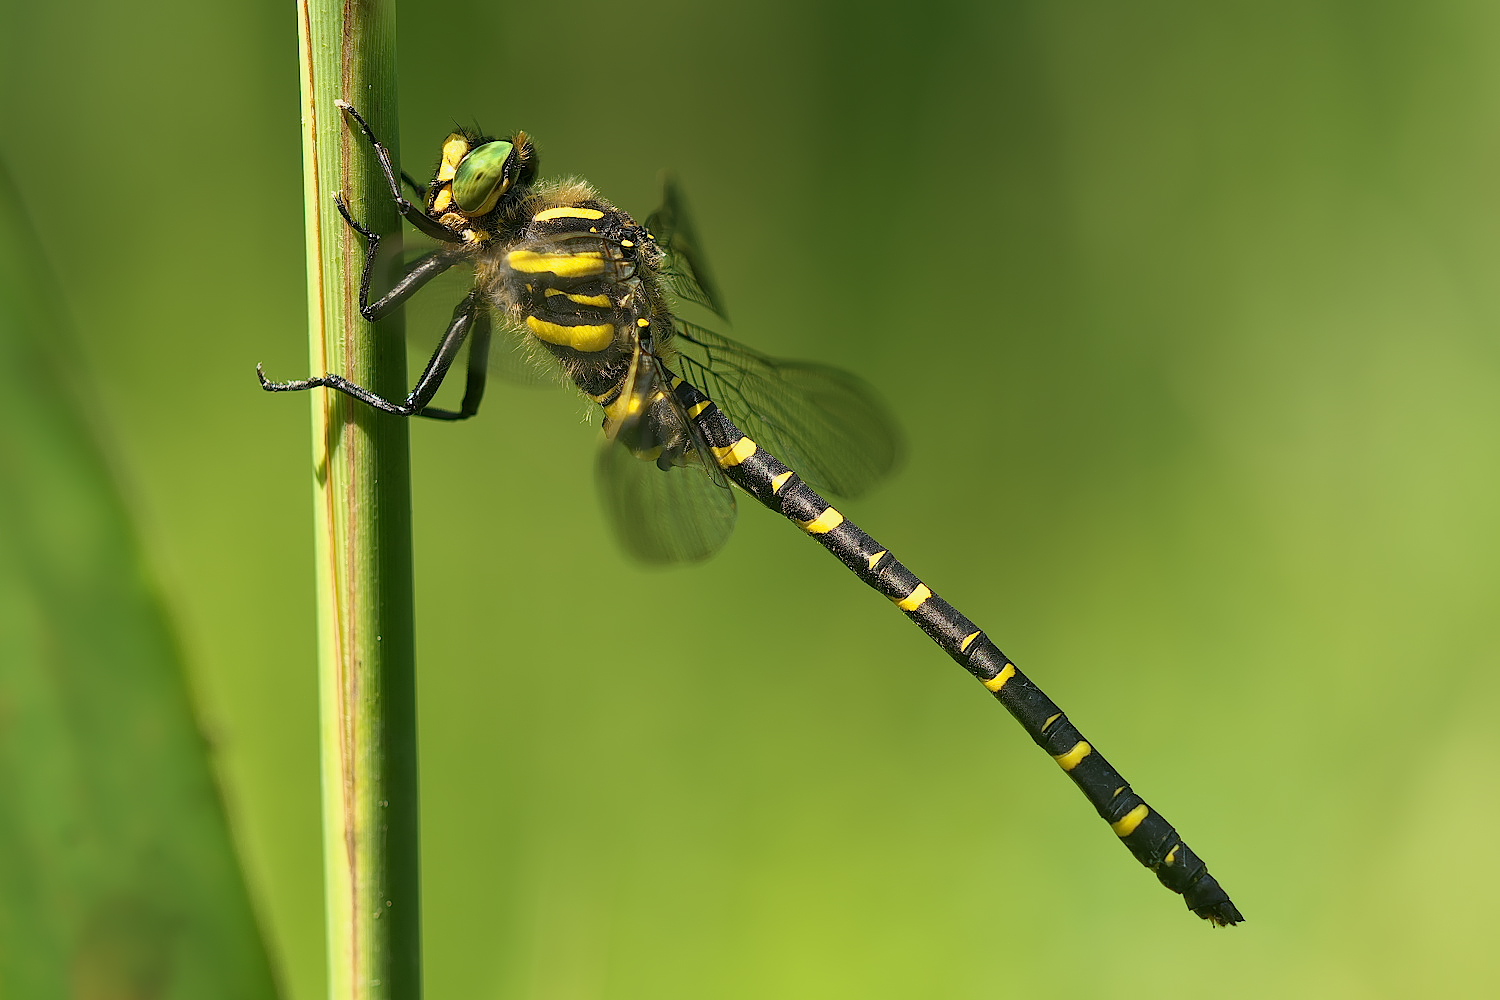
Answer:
(476, 174)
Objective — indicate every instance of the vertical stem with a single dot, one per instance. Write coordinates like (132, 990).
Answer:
(367, 693)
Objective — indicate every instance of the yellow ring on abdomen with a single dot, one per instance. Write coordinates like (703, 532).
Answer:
(1126, 825)
(823, 523)
(734, 454)
(1075, 756)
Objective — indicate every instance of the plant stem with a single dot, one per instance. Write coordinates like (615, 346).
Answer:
(367, 692)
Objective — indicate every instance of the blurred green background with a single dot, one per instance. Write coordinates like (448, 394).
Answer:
(1188, 310)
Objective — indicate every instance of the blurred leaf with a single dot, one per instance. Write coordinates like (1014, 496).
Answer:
(118, 878)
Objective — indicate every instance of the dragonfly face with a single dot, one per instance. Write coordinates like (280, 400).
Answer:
(473, 175)
(580, 282)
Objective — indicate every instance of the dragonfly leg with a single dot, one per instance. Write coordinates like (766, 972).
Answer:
(411, 213)
(418, 273)
(428, 383)
(478, 370)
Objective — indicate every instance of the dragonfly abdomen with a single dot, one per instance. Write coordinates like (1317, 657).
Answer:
(1146, 833)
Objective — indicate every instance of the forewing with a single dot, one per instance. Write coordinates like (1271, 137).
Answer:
(686, 271)
(827, 425)
(663, 512)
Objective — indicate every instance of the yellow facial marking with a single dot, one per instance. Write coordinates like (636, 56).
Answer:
(1126, 826)
(777, 482)
(735, 453)
(1070, 760)
(874, 560)
(564, 265)
(999, 681)
(567, 212)
(455, 148)
(580, 338)
(1048, 724)
(442, 200)
(915, 599)
(698, 408)
(823, 523)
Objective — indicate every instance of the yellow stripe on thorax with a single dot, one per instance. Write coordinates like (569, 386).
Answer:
(586, 264)
(602, 301)
(580, 338)
(567, 212)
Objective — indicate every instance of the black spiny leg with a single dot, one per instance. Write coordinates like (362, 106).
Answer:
(418, 273)
(478, 370)
(421, 271)
(411, 213)
(415, 404)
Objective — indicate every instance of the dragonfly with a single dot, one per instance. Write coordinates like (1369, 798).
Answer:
(690, 415)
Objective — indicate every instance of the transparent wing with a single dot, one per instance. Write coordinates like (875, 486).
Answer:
(666, 498)
(827, 425)
(685, 271)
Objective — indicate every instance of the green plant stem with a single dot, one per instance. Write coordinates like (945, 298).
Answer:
(367, 693)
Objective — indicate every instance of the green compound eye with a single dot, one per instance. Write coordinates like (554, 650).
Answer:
(481, 178)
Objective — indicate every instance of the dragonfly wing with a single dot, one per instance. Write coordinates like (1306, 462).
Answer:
(686, 271)
(825, 423)
(666, 498)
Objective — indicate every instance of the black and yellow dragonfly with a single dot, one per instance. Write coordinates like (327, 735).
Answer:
(591, 291)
